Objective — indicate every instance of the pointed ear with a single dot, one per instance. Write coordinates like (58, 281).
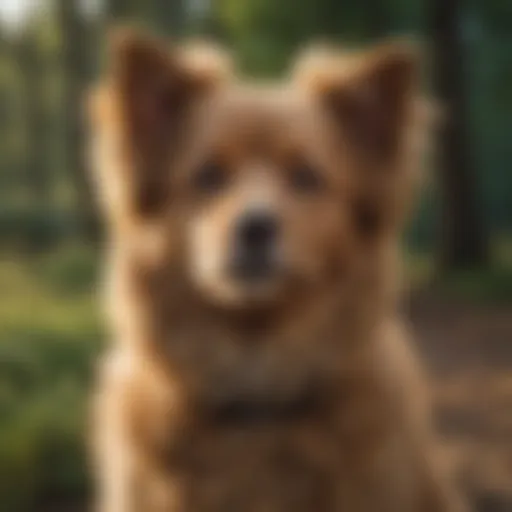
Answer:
(151, 90)
(379, 114)
(143, 103)
(370, 97)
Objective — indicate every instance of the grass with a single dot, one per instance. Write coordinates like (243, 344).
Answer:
(50, 334)
(491, 286)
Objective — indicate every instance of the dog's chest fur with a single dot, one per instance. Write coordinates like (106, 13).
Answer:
(260, 457)
(302, 468)
(301, 423)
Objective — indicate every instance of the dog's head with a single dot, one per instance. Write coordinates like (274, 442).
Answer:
(255, 193)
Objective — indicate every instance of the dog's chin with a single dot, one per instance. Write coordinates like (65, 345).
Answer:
(232, 293)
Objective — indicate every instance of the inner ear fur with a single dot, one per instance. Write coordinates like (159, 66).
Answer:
(374, 100)
(146, 95)
(368, 94)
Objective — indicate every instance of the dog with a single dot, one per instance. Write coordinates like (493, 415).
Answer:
(260, 361)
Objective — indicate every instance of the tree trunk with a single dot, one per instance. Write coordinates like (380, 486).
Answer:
(463, 240)
(75, 59)
(118, 10)
(377, 19)
(35, 158)
(332, 18)
(169, 17)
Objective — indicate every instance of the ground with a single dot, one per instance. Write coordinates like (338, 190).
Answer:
(468, 349)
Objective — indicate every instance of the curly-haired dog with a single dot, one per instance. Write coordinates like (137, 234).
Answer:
(260, 363)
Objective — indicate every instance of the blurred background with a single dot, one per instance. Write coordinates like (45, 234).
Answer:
(459, 246)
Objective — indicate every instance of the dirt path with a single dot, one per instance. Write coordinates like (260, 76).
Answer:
(469, 351)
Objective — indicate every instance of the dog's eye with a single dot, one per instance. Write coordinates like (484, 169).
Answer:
(305, 179)
(210, 177)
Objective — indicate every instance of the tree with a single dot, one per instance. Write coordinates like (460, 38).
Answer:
(169, 16)
(377, 18)
(36, 141)
(11, 113)
(118, 9)
(463, 238)
(75, 61)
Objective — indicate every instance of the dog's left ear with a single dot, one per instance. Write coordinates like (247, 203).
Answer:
(370, 95)
(144, 102)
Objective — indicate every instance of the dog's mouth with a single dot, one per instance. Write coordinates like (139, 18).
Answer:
(251, 271)
(256, 277)
(254, 268)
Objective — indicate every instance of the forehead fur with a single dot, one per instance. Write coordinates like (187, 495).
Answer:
(273, 125)
(279, 106)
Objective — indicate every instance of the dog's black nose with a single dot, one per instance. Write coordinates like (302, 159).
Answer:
(257, 231)
(254, 255)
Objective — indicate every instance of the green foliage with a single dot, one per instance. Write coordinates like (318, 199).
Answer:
(494, 285)
(265, 34)
(489, 286)
(49, 337)
(35, 228)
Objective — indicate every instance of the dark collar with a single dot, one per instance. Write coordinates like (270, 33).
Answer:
(245, 412)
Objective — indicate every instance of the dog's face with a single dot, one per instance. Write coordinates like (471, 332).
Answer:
(263, 196)
(257, 193)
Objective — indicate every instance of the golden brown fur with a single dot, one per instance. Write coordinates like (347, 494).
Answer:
(297, 395)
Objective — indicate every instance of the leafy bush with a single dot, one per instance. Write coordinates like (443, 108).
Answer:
(49, 337)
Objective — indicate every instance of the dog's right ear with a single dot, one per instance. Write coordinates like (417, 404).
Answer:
(369, 95)
(375, 103)
(143, 105)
